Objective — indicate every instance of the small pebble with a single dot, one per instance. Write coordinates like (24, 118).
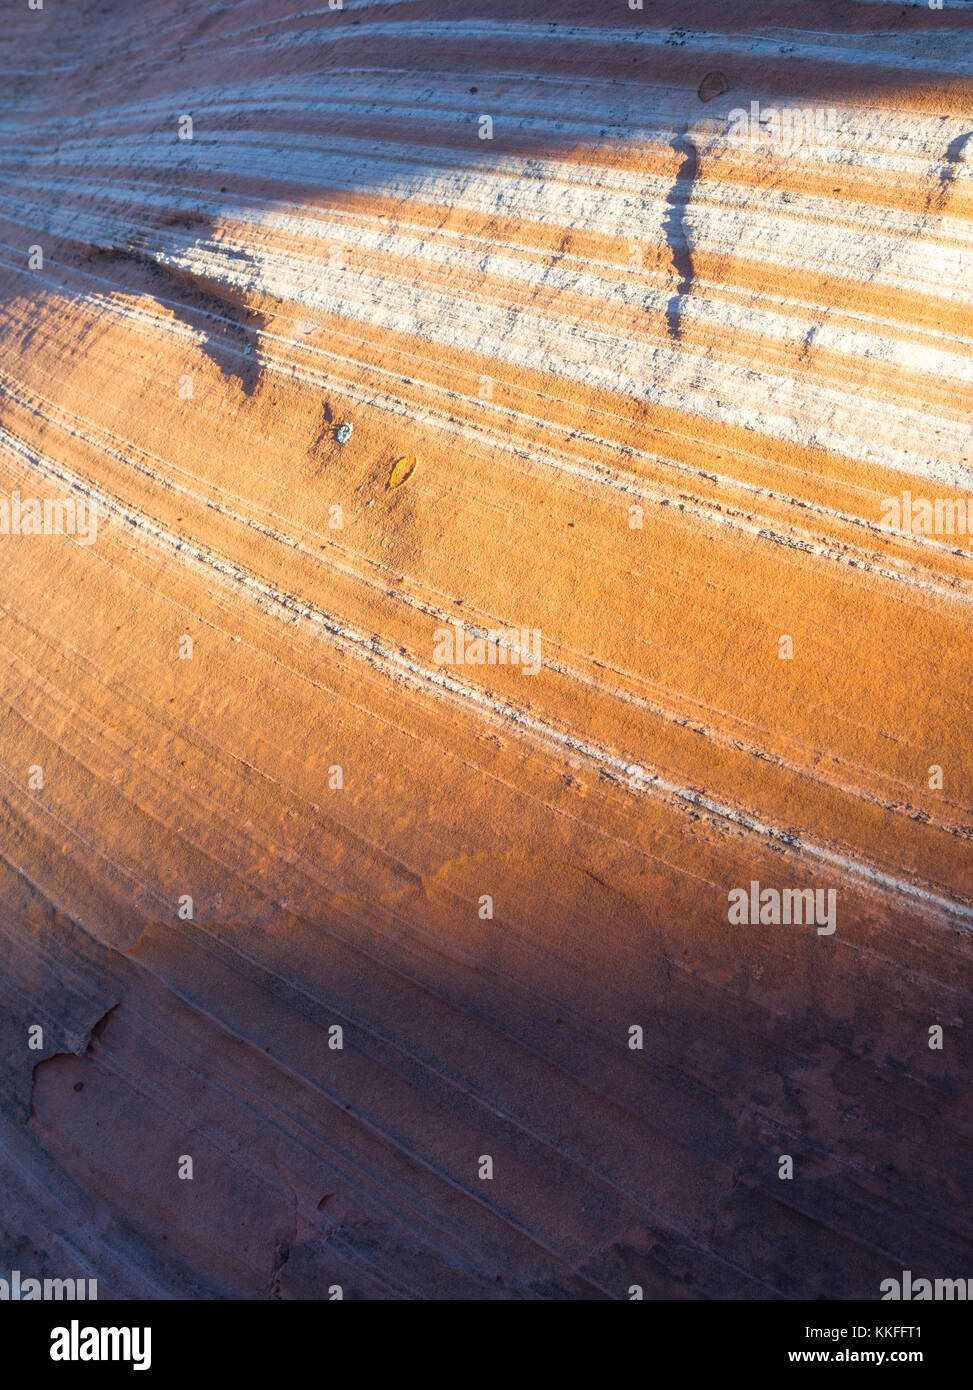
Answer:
(714, 84)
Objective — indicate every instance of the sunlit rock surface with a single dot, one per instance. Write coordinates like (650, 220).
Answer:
(662, 363)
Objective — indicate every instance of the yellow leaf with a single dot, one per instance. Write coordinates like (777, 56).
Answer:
(403, 470)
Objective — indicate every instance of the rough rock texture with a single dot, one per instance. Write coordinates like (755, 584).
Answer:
(658, 380)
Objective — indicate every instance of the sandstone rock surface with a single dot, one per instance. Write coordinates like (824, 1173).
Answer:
(659, 379)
